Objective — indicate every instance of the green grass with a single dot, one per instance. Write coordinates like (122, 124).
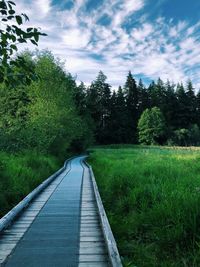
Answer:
(152, 198)
(20, 174)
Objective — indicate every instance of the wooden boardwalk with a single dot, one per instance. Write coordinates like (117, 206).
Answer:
(64, 225)
(93, 251)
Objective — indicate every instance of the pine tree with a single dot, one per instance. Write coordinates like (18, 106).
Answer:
(191, 103)
(198, 108)
(157, 94)
(170, 107)
(98, 103)
(131, 97)
(79, 95)
(182, 107)
(143, 98)
(104, 133)
(118, 117)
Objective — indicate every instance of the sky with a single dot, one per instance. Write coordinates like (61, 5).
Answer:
(150, 38)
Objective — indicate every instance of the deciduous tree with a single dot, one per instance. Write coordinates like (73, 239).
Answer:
(151, 126)
(11, 35)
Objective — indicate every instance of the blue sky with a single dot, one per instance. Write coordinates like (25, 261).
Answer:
(152, 38)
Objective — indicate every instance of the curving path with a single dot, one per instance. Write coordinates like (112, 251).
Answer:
(61, 227)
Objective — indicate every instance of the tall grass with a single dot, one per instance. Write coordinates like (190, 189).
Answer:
(20, 174)
(152, 197)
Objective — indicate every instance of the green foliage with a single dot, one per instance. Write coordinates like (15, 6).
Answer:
(182, 107)
(11, 34)
(43, 115)
(194, 135)
(151, 196)
(20, 174)
(151, 126)
(187, 137)
(131, 98)
(86, 139)
(118, 117)
(181, 136)
(98, 102)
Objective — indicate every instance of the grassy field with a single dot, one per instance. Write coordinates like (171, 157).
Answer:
(20, 174)
(152, 198)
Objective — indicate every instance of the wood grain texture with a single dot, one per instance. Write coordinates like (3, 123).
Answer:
(92, 250)
(10, 237)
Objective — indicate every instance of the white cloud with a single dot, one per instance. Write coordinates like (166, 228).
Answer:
(76, 38)
(43, 7)
(126, 8)
(187, 44)
(132, 5)
(161, 48)
(143, 32)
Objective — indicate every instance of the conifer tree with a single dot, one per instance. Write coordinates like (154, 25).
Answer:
(198, 108)
(98, 102)
(191, 103)
(79, 95)
(182, 107)
(157, 94)
(131, 97)
(143, 98)
(118, 117)
(170, 107)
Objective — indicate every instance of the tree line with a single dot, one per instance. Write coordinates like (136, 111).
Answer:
(54, 115)
(168, 113)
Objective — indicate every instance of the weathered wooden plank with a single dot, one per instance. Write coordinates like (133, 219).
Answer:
(93, 264)
(16, 231)
(109, 238)
(85, 210)
(92, 244)
(91, 234)
(89, 217)
(6, 246)
(89, 225)
(88, 207)
(88, 213)
(92, 250)
(93, 258)
(90, 228)
(19, 227)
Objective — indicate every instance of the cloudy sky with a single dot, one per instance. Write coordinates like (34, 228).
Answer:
(152, 38)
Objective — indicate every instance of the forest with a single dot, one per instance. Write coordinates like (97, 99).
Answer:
(42, 107)
(53, 116)
(160, 113)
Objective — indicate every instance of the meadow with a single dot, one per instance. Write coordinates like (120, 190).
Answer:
(152, 199)
(20, 174)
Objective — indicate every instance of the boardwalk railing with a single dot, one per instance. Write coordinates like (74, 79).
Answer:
(108, 235)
